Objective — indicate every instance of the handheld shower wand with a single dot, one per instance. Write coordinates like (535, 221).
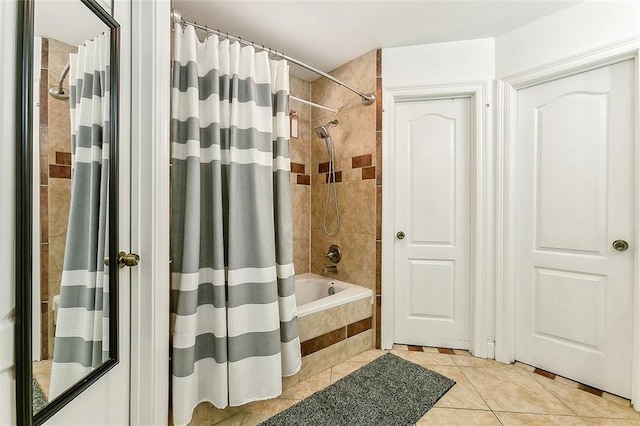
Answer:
(323, 133)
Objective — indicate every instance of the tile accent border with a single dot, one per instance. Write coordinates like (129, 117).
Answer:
(44, 199)
(335, 336)
(376, 174)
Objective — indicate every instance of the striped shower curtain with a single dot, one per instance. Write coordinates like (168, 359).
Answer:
(234, 321)
(82, 327)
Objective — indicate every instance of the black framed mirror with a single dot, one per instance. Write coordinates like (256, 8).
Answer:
(66, 202)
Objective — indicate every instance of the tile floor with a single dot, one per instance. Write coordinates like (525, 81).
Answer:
(486, 393)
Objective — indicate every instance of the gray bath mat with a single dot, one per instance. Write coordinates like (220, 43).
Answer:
(387, 391)
(39, 400)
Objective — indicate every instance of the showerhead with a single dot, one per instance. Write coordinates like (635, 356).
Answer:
(58, 91)
(323, 131)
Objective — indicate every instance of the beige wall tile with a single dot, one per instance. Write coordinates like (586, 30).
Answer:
(56, 261)
(58, 110)
(323, 359)
(59, 201)
(359, 343)
(359, 310)
(322, 322)
(357, 206)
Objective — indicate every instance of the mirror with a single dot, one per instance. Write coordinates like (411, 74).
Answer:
(66, 202)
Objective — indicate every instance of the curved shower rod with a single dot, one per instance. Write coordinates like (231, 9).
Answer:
(58, 91)
(367, 98)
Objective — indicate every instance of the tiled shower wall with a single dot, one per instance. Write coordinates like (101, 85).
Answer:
(301, 176)
(357, 140)
(55, 182)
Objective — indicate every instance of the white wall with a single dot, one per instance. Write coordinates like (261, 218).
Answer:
(464, 62)
(441, 63)
(7, 228)
(586, 26)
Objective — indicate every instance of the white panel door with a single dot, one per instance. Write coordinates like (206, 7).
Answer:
(574, 199)
(431, 274)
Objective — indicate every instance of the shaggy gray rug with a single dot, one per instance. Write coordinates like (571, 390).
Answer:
(387, 391)
(39, 400)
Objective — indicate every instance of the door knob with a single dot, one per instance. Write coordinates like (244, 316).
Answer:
(620, 245)
(125, 259)
(400, 235)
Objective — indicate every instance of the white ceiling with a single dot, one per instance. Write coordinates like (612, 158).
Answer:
(68, 21)
(327, 34)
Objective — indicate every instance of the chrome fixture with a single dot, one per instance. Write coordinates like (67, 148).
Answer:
(367, 98)
(620, 245)
(334, 254)
(323, 133)
(58, 91)
(331, 268)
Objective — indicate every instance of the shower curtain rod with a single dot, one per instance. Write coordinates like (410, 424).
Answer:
(306, 102)
(367, 99)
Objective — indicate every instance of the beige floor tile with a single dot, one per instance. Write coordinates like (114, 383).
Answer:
(472, 361)
(462, 394)
(344, 369)
(462, 352)
(513, 389)
(206, 414)
(233, 421)
(308, 387)
(401, 347)
(609, 422)
(424, 358)
(367, 356)
(522, 419)
(258, 412)
(585, 404)
(566, 381)
(616, 399)
(430, 350)
(524, 366)
(42, 374)
(453, 416)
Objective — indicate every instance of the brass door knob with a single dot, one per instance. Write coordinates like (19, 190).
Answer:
(125, 259)
(620, 245)
(400, 235)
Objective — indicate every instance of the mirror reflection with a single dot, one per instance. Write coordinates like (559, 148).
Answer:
(71, 156)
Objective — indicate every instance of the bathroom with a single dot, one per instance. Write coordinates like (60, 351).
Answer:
(472, 64)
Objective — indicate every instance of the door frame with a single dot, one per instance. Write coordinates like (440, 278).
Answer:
(507, 97)
(150, 282)
(480, 193)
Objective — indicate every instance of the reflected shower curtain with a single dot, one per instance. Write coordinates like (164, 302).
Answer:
(82, 328)
(235, 332)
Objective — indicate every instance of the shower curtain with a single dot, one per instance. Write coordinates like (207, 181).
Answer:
(235, 332)
(82, 327)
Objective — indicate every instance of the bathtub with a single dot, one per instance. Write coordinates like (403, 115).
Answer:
(313, 293)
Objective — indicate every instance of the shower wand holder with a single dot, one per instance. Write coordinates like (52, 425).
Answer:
(334, 254)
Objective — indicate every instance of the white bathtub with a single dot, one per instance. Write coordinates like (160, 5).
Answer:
(312, 293)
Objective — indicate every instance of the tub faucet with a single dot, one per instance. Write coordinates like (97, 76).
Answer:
(332, 268)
